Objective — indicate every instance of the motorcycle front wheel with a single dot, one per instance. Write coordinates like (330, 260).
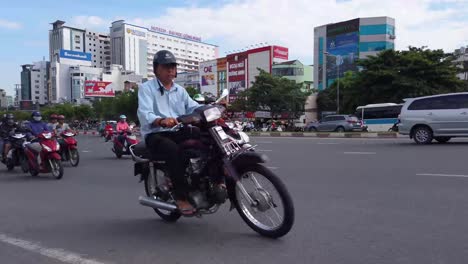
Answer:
(74, 157)
(56, 168)
(263, 201)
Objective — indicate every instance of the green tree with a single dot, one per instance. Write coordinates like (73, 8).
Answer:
(275, 94)
(392, 76)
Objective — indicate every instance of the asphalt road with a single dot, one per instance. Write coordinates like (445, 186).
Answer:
(357, 201)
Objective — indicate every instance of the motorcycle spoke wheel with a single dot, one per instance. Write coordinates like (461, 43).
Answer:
(56, 169)
(74, 157)
(268, 209)
(151, 191)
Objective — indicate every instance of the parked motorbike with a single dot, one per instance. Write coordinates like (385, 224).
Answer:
(16, 155)
(69, 148)
(120, 148)
(49, 155)
(217, 154)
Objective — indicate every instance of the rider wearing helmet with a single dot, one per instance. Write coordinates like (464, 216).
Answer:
(122, 127)
(160, 102)
(36, 126)
(61, 125)
(6, 127)
(53, 122)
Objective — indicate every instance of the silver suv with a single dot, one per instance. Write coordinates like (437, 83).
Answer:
(438, 117)
(337, 123)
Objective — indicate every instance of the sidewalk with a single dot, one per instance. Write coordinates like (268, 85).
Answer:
(328, 135)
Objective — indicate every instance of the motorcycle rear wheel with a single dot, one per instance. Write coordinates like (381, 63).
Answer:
(74, 157)
(150, 189)
(264, 202)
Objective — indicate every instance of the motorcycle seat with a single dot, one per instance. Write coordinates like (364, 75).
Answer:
(143, 154)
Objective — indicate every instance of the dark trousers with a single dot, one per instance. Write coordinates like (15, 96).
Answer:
(164, 145)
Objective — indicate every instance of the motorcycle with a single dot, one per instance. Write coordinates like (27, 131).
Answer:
(16, 155)
(108, 134)
(69, 148)
(217, 154)
(120, 148)
(49, 156)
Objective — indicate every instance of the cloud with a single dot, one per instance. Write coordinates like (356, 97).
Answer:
(291, 23)
(9, 24)
(91, 22)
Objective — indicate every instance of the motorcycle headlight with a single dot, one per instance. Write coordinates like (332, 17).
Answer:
(58, 146)
(212, 114)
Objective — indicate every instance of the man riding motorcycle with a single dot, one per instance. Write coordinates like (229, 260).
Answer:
(5, 128)
(160, 102)
(36, 126)
(53, 122)
(61, 125)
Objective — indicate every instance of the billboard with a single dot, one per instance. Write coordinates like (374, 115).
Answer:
(343, 49)
(280, 52)
(236, 74)
(75, 55)
(99, 89)
(208, 80)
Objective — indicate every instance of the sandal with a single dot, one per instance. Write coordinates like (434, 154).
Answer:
(185, 208)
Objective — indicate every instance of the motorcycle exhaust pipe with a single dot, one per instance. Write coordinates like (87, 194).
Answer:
(157, 204)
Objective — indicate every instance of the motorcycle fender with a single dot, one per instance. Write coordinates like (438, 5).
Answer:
(55, 156)
(72, 146)
(248, 158)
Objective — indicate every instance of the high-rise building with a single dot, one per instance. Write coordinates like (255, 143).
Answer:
(63, 37)
(34, 82)
(337, 46)
(461, 60)
(134, 47)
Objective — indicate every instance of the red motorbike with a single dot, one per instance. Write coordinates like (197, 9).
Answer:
(108, 133)
(69, 148)
(120, 148)
(50, 158)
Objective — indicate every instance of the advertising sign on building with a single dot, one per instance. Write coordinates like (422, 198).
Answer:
(343, 47)
(208, 80)
(99, 89)
(280, 52)
(75, 55)
(236, 74)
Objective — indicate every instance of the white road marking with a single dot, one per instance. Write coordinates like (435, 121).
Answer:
(264, 150)
(327, 143)
(441, 175)
(54, 253)
(272, 168)
(360, 153)
(86, 151)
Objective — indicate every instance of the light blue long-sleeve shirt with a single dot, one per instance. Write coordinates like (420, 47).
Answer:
(151, 104)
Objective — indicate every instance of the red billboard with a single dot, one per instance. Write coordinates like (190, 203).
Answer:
(280, 52)
(99, 89)
(237, 71)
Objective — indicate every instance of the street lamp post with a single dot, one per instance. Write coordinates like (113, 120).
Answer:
(338, 81)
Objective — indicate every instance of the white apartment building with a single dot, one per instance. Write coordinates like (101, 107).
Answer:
(34, 82)
(63, 37)
(134, 47)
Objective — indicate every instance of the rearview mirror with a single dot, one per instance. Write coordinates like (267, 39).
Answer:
(224, 94)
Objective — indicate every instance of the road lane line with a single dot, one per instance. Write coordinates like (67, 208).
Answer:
(441, 175)
(360, 153)
(272, 168)
(327, 143)
(54, 253)
(264, 150)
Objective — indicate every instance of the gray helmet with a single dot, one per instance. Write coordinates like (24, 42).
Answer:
(164, 57)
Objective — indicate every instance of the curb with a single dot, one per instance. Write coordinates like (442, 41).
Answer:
(327, 135)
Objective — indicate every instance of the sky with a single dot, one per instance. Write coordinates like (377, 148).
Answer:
(232, 25)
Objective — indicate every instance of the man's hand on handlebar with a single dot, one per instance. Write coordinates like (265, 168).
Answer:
(168, 122)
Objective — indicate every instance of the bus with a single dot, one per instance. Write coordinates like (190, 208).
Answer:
(379, 117)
